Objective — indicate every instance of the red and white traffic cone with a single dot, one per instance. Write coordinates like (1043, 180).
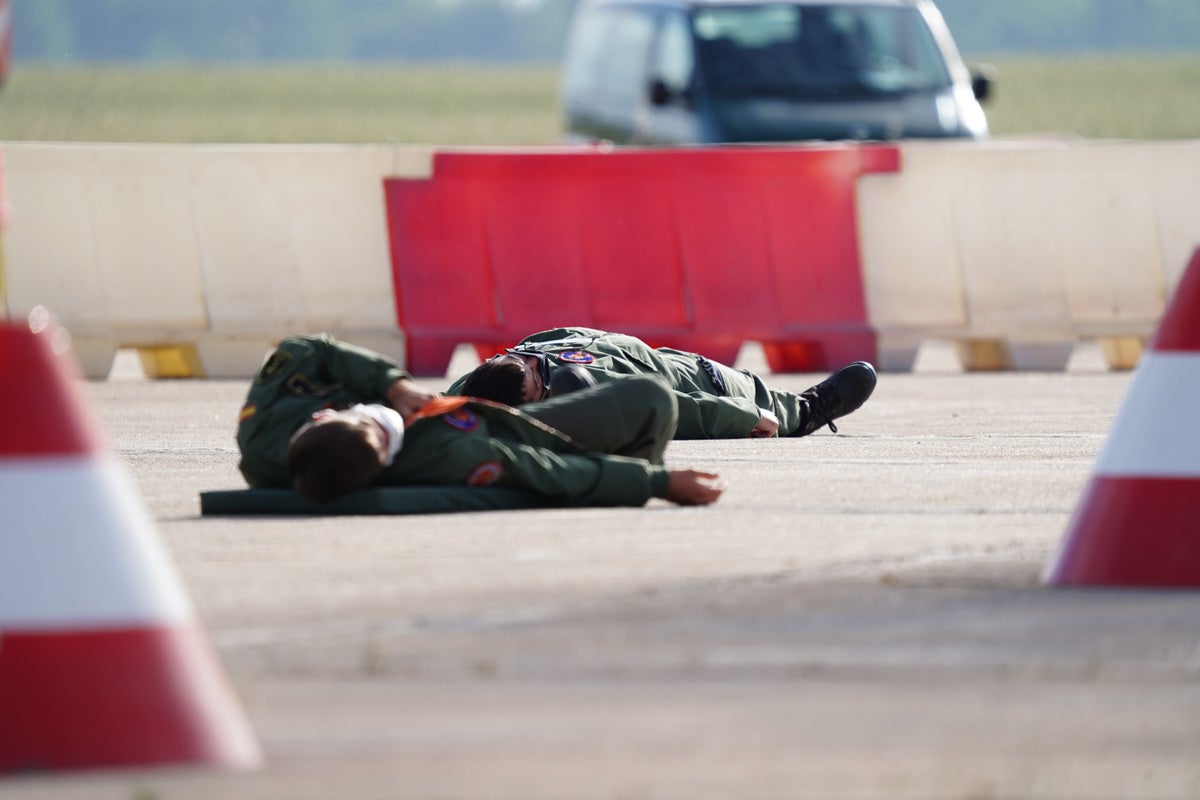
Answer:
(102, 662)
(1138, 522)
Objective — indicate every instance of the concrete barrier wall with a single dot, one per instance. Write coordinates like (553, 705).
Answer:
(1018, 250)
(202, 256)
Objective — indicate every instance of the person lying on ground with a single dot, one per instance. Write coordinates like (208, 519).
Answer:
(327, 418)
(715, 401)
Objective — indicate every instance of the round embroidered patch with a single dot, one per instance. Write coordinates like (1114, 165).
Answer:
(461, 418)
(576, 357)
(485, 474)
(276, 364)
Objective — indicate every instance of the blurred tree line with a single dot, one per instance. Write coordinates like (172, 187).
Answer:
(289, 30)
(506, 30)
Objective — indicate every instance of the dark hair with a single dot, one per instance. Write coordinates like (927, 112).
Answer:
(501, 381)
(331, 459)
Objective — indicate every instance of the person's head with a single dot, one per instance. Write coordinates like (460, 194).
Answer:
(338, 452)
(508, 378)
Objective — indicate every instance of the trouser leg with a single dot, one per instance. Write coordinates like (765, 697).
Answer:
(634, 416)
(790, 408)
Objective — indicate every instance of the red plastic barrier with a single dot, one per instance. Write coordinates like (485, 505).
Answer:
(699, 249)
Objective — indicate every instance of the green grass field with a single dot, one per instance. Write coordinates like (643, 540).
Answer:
(1093, 97)
(1118, 97)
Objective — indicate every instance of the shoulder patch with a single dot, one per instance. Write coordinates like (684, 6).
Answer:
(276, 364)
(462, 418)
(485, 474)
(576, 357)
(247, 413)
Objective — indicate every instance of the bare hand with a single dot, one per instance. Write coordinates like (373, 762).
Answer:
(689, 487)
(768, 425)
(407, 397)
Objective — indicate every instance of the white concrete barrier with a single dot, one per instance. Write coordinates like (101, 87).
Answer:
(1018, 250)
(201, 257)
(50, 252)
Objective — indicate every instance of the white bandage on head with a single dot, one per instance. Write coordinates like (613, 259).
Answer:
(391, 421)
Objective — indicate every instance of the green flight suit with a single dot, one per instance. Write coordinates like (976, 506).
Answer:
(605, 448)
(715, 401)
(304, 374)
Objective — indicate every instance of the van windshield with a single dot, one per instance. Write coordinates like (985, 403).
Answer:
(818, 51)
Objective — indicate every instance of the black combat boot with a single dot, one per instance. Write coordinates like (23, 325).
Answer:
(836, 396)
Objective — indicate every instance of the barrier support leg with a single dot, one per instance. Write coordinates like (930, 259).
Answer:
(96, 354)
(821, 353)
(429, 356)
(171, 361)
(987, 355)
(897, 352)
(1122, 352)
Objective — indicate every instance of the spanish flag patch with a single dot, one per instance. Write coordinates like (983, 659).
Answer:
(247, 413)
(485, 474)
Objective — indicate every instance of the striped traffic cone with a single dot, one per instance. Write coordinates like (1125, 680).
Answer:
(102, 663)
(1138, 523)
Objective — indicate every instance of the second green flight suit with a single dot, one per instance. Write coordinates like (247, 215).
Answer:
(715, 401)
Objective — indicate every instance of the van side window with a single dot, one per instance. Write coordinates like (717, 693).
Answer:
(674, 61)
(610, 55)
(588, 53)
(623, 81)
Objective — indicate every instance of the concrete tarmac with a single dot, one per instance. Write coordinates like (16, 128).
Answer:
(860, 616)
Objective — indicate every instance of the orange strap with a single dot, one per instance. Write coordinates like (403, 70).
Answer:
(436, 406)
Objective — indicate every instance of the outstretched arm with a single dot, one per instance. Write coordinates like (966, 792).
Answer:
(689, 487)
(442, 457)
(407, 397)
(768, 425)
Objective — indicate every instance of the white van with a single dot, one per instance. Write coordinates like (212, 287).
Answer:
(710, 71)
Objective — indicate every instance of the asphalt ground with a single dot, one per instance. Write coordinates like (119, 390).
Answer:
(861, 615)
